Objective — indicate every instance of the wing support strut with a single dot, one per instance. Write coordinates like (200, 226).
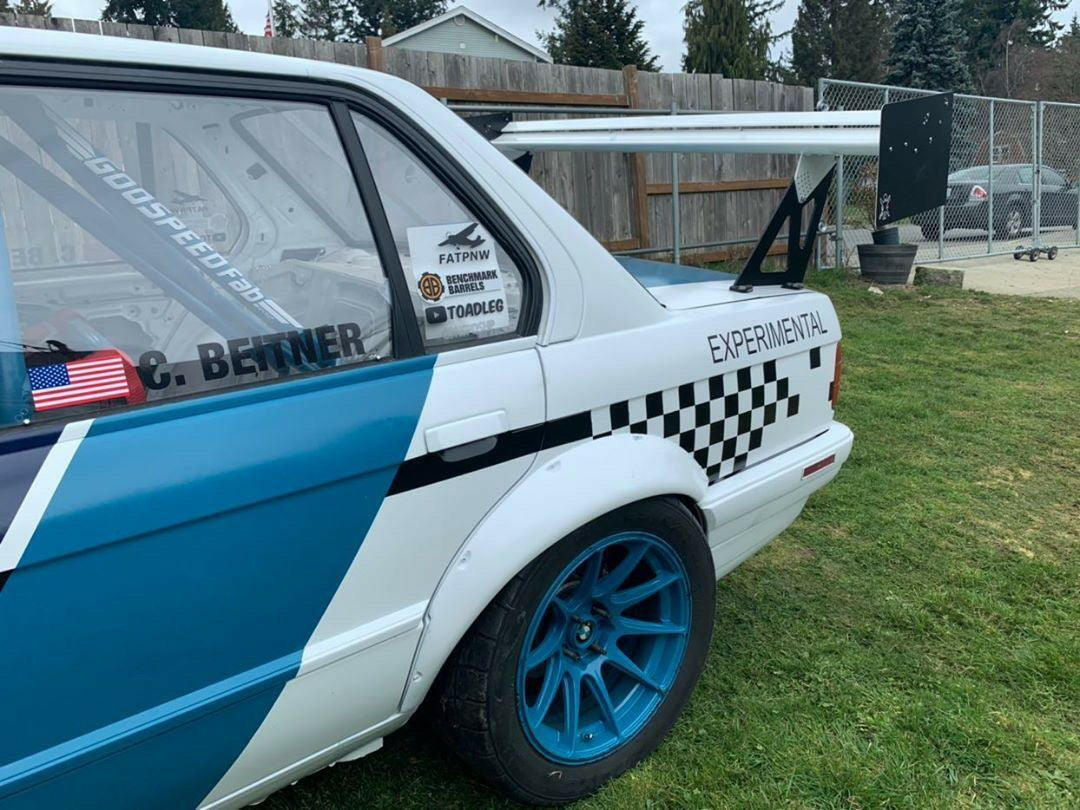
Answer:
(799, 250)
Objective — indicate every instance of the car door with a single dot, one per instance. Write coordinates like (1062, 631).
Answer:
(231, 469)
(1058, 200)
(475, 298)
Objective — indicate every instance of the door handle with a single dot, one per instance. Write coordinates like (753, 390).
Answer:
(479, 430)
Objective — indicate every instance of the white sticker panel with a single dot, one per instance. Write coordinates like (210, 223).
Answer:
(456, 272)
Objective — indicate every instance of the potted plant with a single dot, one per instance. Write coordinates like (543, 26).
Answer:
(886, 260)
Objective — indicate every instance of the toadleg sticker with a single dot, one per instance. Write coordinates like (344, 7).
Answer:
(456, 272)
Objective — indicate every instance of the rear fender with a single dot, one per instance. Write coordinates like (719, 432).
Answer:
(563, 492)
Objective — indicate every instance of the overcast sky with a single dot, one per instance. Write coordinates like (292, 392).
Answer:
(663, 19)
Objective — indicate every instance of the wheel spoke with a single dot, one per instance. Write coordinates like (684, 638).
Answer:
(571, 694)
(548, 647)
(583, 593)
(618, 575)
(618, 659)
(553, 677)
(636, 627)
(639, 593)
(596, 685)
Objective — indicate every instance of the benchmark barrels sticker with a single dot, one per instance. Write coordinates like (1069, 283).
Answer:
(457, 277)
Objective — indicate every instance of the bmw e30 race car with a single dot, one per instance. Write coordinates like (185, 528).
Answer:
(313, 406)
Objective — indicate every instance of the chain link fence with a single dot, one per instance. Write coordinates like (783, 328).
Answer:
(1014, 174)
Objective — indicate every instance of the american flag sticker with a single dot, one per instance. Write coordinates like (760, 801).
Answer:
(101, 376)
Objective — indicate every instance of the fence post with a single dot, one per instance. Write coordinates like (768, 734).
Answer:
(637, 165)
(1036, 202)
(676, 213)
(840, 202)
(376, 57)
(990, 187)
(941, 232)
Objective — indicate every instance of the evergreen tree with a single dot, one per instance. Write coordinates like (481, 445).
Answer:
(598, 33)
(146, 12)
(286, 18)
(989, 24)
(813, 50)
(839, 39)
(40, 8)
(321, 19)
(928, 46)
(205, 15)
(384, 18)
(730, 37)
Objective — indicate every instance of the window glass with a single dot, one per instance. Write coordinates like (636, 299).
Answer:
(162, 245)
(1026, 174)
(976, 174)
(464, 284)
(1050, 177)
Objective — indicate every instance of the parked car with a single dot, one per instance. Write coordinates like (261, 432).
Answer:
(968, 205)
(313, 405)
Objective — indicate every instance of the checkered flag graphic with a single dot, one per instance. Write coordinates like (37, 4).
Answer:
(718, 420)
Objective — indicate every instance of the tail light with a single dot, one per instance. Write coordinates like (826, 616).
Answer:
(838, 370)
(979, 193)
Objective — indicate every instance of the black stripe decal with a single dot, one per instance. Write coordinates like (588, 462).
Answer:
(432, 468)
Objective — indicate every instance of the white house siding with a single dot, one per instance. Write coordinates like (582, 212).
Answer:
(448, 37)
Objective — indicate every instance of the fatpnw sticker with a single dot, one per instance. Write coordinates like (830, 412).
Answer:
(456, 273)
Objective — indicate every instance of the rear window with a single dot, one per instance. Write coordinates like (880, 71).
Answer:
(976, 174)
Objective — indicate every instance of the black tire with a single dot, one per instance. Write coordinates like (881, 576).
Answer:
(477, 701)
(929, 231)
(1010, 223)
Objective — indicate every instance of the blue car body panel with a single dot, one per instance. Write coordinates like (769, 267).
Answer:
(198, 542)
(661, 274)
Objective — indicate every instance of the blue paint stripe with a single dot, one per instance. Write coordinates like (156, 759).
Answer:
(661, 274)
(182, 565)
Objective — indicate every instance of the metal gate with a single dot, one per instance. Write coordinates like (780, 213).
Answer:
(1014, 178)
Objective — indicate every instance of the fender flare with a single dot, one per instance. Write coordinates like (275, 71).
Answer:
(558, 496)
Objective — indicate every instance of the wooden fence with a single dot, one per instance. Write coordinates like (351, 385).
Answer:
(625, 200)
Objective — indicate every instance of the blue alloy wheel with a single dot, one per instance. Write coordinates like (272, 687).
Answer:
(604, 647)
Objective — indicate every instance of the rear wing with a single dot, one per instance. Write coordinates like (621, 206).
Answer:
(911, 140)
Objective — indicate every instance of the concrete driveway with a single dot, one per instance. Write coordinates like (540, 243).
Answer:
(1002, 274)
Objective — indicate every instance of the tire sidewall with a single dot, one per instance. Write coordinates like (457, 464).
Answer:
(550, 781)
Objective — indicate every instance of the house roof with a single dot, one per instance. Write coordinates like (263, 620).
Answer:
(462, 11)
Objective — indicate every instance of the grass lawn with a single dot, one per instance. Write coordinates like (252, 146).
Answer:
(914, 639)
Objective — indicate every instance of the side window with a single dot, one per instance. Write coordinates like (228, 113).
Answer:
(1026, 175)
(1052, 178)
(163, 245)
(465, 286)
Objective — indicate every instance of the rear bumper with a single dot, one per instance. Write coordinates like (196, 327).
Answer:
(745, 512)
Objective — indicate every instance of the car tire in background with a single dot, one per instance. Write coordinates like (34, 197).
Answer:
(1010, 223)
(619, 612)
(929, 231)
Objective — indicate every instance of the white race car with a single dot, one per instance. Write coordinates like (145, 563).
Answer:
(313, 406)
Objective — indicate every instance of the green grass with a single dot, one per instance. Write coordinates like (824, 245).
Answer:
(914, 639)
